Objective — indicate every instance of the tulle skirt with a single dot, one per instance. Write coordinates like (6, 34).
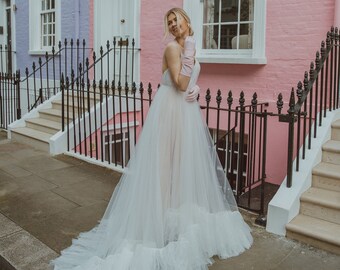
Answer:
(173, 208)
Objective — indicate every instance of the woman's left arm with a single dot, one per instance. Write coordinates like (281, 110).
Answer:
(173, 59)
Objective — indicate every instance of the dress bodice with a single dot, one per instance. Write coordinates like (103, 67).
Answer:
(166, 79)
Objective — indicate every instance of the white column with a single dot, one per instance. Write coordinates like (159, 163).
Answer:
(337, 14)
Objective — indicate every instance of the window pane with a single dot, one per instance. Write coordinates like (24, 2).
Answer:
(210, 36)
(117, 137)
(211, 11)
(43, 5)
(126, 152)
(245, 38)
(244, 13)
(53, 17)
(228, 32)
(45, 29)
(50, 28)
(52, 4)
(119, 152)
(229, 11)
(106, 158)
(44, 41)
(48, 4)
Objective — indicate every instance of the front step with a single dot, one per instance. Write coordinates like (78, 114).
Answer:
(321, 203)
(44, 125)
(54, 115)
(35, 138)
(336, 130)
(331, 152)
(316, 232)
(326, 176)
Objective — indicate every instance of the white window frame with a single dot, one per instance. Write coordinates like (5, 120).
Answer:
(257, 55)
(35, 24)
(125, 139)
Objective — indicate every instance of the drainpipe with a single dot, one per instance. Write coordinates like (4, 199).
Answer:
(77, 14)
(337, 14)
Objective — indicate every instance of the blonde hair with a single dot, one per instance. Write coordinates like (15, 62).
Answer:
(178, 12)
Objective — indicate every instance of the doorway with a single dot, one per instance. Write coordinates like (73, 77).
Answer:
(6, 41)
(120, 20)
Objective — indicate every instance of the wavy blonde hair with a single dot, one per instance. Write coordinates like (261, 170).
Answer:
(178, 12)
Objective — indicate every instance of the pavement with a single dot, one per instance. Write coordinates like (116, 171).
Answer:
(46, 201)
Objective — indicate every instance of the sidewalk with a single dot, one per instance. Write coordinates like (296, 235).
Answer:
(46, 201)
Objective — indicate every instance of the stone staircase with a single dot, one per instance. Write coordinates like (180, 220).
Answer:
(318, 222)
(38, 130)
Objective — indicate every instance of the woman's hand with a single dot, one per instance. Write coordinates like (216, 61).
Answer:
(193, 93)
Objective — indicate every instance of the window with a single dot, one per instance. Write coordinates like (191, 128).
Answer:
(117, 145)
(47, 23)
(44, 27)
(229, 31)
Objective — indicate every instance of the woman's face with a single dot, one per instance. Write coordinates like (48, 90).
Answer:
(178, 26)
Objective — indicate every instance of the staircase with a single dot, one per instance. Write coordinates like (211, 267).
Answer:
(38, 130)
(318, 222)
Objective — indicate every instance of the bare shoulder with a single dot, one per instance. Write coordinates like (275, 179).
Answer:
(173, 48)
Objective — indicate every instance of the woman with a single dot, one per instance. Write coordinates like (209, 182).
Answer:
(173, 208)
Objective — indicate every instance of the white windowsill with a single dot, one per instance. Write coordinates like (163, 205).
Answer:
(38, 52)
(218, 59)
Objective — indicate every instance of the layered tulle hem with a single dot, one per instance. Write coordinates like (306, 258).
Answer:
(224, 234)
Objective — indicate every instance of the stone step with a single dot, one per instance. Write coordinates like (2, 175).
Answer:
(316, 232)
(57, 104)
(336, 130)
(54, 115)
(321, 203)
(326, 176)
(32, 137)
(44, 125)
(331, 152)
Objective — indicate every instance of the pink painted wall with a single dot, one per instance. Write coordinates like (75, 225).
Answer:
(151, 38)
(294, 31)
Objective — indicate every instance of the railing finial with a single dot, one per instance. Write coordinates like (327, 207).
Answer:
(279, 103)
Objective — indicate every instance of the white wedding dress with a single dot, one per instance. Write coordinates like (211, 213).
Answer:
(173, 208)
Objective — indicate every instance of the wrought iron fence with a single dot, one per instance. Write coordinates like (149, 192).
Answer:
(9, 98)
(42, 80)
(316, 95)
(104, 111)
(108, 129)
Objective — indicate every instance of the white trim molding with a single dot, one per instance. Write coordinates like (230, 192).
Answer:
(256, 55)
(35, 43)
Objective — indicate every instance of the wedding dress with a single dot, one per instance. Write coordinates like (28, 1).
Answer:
(173, 208)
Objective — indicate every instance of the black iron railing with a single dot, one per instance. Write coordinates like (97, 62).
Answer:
(315, 96)
(10, 109)
(107, 118)
(44, 77)
(241, 146)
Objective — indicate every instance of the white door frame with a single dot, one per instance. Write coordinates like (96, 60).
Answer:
(3, 23)
(99, 29)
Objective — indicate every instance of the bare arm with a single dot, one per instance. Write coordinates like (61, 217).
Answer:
(172, 57)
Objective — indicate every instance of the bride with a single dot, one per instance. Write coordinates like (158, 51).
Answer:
(173, 208)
